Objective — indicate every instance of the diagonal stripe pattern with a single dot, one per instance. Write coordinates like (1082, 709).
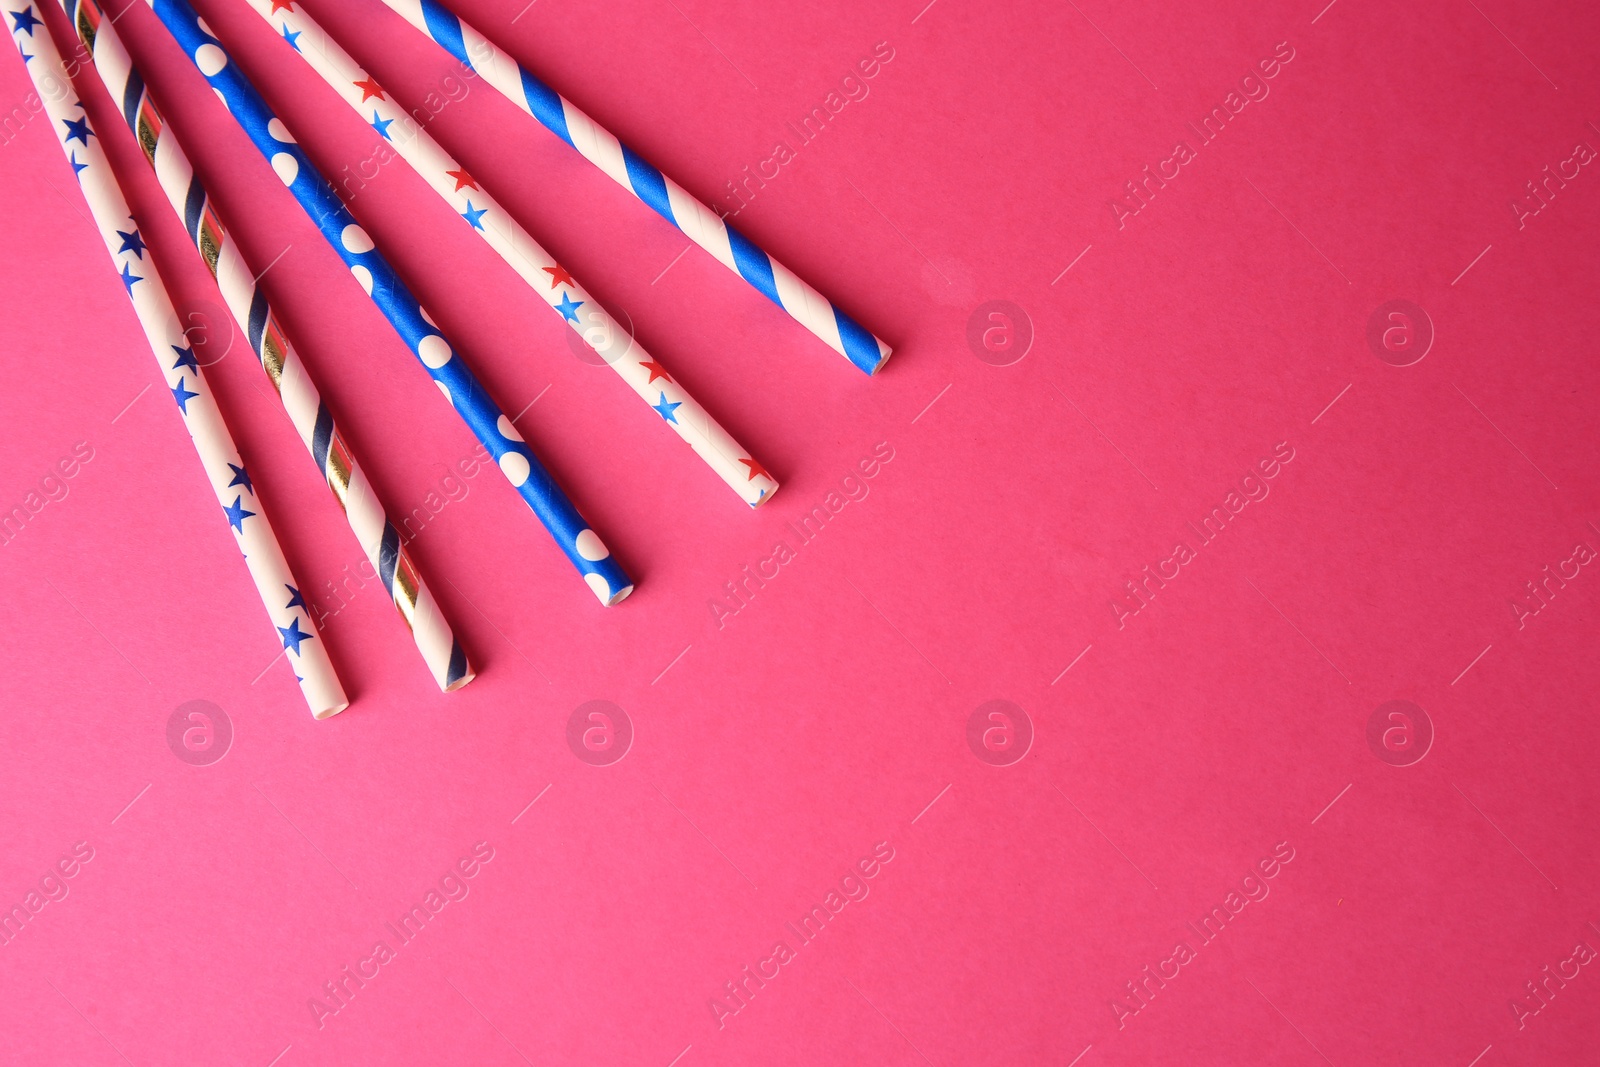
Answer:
(669, 199)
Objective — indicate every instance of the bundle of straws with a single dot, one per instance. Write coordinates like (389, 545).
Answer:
(292, 381)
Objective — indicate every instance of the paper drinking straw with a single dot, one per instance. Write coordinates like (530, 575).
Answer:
(461, 387)
(184, 379)
(466, 197)
(379, 537)
(698, 222)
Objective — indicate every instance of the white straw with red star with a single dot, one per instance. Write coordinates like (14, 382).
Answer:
(643, 373)
(183, 377)
(236, 283)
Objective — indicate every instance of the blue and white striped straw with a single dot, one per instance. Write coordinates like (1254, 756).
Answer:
(461, 387)
(669, 199)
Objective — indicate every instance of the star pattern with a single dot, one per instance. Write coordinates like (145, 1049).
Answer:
(756, 470)
(185, 359)
(369, 89)
(181, 394)
(237, 514)
(77, 130)
(26, 58)
(281, 5)
(558, 276)
(463, 181)
(656, 370)
(292, 38)
(132, 242)
(293, 635)
(128, 278)
(77, 168)
(665, 410)
(381, 125)
(295, 600)
(473, 216)
(242, 478)
(24, 21)
(569, 308)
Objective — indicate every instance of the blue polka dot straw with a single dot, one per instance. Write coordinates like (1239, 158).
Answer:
(460, 386)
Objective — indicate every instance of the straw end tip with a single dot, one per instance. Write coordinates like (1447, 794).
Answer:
(452, 685)
(330, 711)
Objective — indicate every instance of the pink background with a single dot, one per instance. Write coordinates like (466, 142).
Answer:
(775, 750)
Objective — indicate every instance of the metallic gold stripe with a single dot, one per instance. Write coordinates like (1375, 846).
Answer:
(406, 589)
(274, 351)
(338, 469)
(211, 237)
(150, 126)
(88, 23)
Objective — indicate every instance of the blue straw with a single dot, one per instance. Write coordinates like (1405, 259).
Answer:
(466, 394)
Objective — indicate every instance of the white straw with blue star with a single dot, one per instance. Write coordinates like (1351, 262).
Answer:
(666, 197)
(471, 401)
(184, 379)
(552, 282)
(380, 538)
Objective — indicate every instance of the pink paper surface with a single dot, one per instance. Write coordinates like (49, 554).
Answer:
(824, 719)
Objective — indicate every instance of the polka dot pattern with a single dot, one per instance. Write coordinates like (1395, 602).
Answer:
(287, 168)
(514, 465)
(434, 351)
(355, 239)
(210, 59)
(508, 431)
(280, 132)
(591, 548)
